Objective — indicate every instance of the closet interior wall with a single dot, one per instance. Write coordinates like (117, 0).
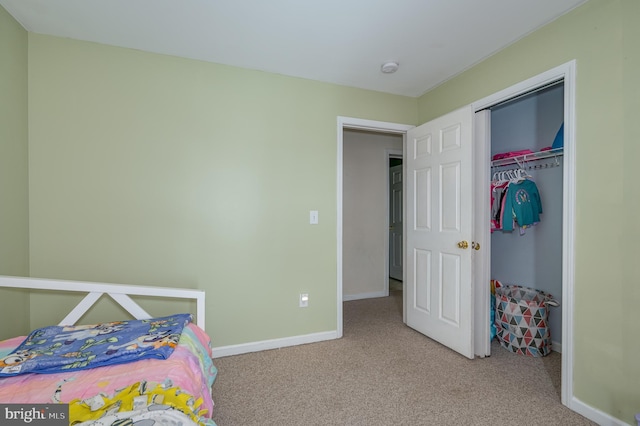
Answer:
(535, 258)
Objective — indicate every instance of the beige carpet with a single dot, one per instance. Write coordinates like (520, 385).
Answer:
(384, 373)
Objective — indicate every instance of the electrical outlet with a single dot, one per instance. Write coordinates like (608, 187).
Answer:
(304, 300)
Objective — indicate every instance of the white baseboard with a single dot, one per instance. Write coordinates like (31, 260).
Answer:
(264, 345)
(556, 346)
(593, 414)
(348, 297)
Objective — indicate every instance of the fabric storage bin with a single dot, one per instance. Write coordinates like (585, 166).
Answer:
(522, 320)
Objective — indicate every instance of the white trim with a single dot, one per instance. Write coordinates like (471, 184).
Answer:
(117, 292)
(566, 72)
(264, 345)
(352, 123)
(360, 296)
(388, 154)
(599, 417)
(568, 230)
(372, 125)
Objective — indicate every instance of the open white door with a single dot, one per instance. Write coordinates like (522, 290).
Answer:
(439, 230)
(395, 222)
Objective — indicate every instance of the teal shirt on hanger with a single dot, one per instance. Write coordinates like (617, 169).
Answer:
(522, 205)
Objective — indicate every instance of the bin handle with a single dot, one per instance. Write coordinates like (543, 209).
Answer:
(552, 302)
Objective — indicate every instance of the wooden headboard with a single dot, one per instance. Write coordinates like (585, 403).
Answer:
(118, 292)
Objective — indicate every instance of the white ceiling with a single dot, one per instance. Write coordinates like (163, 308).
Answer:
(337, 41)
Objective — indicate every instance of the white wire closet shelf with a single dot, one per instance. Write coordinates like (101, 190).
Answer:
(522, 160)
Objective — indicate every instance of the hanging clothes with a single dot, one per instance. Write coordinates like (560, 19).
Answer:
(515, 201)
(522, 205)
(498, 191)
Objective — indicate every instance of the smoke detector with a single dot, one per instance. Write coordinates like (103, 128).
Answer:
(389, 67)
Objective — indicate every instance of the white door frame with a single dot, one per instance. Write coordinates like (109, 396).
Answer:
(360, 124)
(566, 72)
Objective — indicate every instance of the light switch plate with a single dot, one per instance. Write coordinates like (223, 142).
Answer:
(313, 217)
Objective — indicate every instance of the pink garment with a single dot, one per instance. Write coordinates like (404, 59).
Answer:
(511, 154)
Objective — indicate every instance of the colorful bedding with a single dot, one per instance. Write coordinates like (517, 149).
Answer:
(187, 374)
(156, 415)
(57, 349)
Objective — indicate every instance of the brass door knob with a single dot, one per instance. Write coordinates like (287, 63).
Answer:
(463, 244)
(475, 245)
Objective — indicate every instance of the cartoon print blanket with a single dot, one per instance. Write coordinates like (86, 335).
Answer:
(58, 349)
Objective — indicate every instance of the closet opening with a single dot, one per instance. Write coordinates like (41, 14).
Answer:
(526, 147)
(527, 161)
(534, 114)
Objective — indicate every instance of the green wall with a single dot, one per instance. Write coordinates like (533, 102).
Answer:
(603, 37)
(156, 170)
(14, 207)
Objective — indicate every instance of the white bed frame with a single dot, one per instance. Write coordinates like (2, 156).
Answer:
(118, 292)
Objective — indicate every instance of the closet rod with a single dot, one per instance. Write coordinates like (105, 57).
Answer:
(531, 92)
(526, 158)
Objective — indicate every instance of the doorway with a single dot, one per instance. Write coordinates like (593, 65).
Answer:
(482, 162)
(367, 209)
(531, 255)
(348, 123)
